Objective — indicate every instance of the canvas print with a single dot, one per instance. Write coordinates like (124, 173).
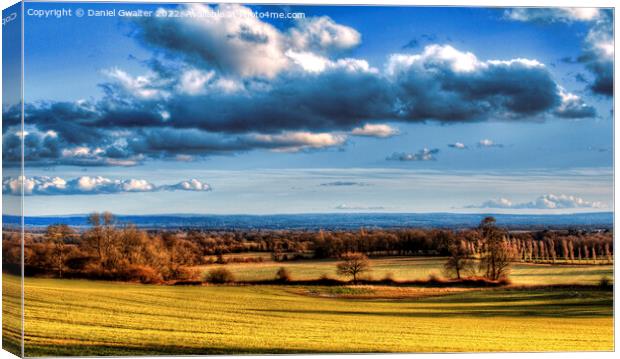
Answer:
(278, 179)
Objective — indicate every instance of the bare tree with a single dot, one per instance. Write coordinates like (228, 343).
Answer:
(458, 261)
(353, 264)
(58, 235)
(497, 253)
(102, 238)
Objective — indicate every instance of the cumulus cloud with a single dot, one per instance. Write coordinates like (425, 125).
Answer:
(375, 130)
(548, 201)
(240, 44)
(58, 148)
(191, 185)
(572, 106)
(422, 155)
(142, 87)
(474, 89)
(297, 141)
(458, 145)
(323, 35)
(222, 85)
(87, 185)
(598, 55)
(487, 143)
(598, 45)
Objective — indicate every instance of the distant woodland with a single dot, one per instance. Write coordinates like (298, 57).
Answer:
(114, 251)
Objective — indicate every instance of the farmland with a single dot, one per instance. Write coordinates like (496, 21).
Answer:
(83, 317)
(415, 268)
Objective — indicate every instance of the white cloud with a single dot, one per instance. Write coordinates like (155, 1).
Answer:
(143, 87)
(449, 57)
(231, 39)
(547, 201)
(83, 155)
(137, 185)
(322, 34)
(313, 63)
(572, 106)
(191, 185)
(309, 61)
(425, 154)
(193, 81)
(297, 141)
(488, 143)
(375, 130)
(44, 185)
(458, 145)
(238, 44)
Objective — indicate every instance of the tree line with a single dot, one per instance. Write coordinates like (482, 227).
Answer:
(111, 250)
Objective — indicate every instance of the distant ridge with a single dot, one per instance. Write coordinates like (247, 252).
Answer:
(599, 220)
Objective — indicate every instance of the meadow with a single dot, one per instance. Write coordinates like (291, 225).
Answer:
(84, 317)
(413, 268)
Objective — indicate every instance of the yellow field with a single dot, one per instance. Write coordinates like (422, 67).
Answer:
(78, 317)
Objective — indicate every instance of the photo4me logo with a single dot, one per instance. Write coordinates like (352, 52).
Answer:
(8, 19)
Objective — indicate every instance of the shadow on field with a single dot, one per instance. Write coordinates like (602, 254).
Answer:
(504, 303)
(54, 350)
(470, 282)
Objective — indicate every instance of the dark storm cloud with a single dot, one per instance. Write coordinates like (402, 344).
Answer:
(334, 100)
(73, 121)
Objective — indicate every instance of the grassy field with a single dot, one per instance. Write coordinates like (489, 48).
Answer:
(78, 317)
(412, 268)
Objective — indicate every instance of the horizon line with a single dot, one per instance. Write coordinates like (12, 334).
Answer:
(312, 213)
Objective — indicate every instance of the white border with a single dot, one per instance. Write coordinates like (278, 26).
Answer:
(476, 3)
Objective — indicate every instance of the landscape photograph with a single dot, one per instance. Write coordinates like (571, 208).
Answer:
(226, 179)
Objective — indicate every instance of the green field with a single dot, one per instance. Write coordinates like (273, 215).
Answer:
(412, 268)
(79, 317)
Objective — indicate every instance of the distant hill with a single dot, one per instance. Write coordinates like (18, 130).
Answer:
(600, 220)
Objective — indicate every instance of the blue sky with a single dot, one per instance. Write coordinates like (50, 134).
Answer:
(352, 109)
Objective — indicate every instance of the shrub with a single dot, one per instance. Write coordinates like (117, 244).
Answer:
(504, 281)
(143, 274)
(283, 275)
(177, 272)
(389, 277)
(434, 278)
(79, 263)
(220, 276)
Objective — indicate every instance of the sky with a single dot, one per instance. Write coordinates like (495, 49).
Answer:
(224, 109)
